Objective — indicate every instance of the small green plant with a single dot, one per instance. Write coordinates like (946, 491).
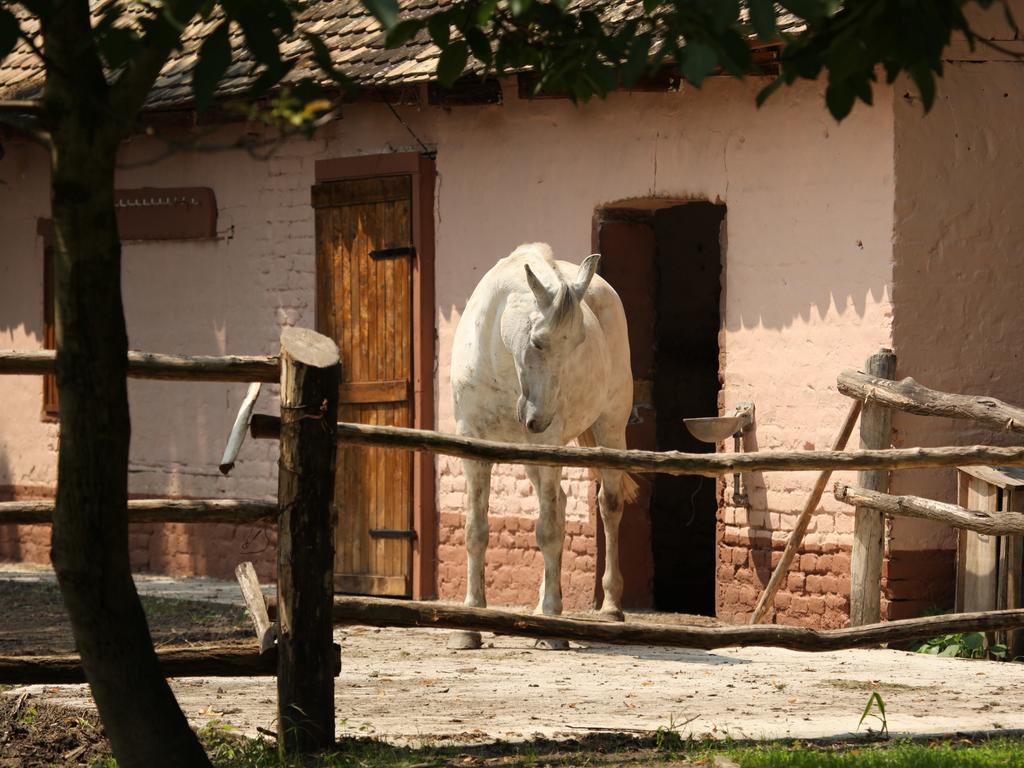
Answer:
(971, 645)
(875, 700)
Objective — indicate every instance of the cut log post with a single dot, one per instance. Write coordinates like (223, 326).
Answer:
(266, 632)
(379, 612)
(151, 365)
(40, 512)
(310, 371)
(869, 524)
(796, 536)
(909, 396)
(240, 428)
(667, 462)
(994, 523)
(194, 661)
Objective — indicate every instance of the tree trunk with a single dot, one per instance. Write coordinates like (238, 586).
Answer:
(90, 526)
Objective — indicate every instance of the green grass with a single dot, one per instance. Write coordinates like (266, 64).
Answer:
(666, 749)
(984, 754)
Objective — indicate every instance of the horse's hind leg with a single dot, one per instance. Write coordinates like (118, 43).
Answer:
(616, 486)
(550, 538)
(478, 487)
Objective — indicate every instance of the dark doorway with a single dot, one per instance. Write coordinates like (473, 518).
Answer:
(666, 264)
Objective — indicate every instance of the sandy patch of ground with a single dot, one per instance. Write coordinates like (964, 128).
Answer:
(403, 685)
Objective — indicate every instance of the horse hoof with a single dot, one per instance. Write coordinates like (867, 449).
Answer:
(613, 614)
(464, 641)
(547, 644)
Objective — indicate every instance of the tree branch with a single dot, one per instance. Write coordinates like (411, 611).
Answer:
(128, 93)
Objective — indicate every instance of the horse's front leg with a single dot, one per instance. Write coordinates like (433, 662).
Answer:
(550, 538)
(478, 487)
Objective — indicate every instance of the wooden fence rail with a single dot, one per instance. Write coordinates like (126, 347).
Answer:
(378, 612)
(668, 462)
(995, 522)
(194, 661)
(909, 396)
(155, 511)
(152, 365)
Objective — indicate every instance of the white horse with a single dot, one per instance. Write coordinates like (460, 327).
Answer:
(541, 356)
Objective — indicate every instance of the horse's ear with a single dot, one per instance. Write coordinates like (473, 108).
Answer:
(539, 291)
(585, 274)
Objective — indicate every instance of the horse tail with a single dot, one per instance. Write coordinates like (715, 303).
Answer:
(630, 489)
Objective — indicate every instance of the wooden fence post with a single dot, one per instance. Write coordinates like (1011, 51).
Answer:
(869, 524)
(310, 371)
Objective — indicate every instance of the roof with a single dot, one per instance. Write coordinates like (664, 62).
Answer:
(352, 35)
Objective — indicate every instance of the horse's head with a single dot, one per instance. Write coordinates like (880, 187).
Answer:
(541, 336)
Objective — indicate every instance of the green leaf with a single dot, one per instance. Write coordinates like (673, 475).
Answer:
(699, 61)
(440, 30)
(636, 60)
(485, 11)
(386, 11)
(724, 14)
(403, 32)
(809, 10)
(519, 7)
(214, 59)
(974, 641)
(839, 98)
(479, 45)
(762, 18)
(452, 63)
(950, 650)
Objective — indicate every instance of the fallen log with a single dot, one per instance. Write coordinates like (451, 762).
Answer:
(668, 462)
(909, 396)
(152, 365)
(155, 511)
(996, 523)
(379, 612)
(193, 661)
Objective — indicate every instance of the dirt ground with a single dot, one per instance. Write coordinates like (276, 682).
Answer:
(406, 687)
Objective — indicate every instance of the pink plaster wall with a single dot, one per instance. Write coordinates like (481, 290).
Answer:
(958, 245)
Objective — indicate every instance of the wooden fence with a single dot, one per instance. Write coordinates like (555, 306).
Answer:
(306, 661)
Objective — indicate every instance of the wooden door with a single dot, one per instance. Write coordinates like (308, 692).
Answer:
(364, 302)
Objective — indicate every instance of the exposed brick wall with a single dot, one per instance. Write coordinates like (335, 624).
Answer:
(174, 549)
(514, 564)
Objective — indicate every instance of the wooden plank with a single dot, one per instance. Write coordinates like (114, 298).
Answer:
(152, 365)
(909, 396)
(869, 524)
(371, 584)
(266, 632)
(376, 612)
(239, 429)
(983, 521)
(305, 548)
(1001, 477)
(359, 192)
(233, 511)
(796, 536)
(392, 391)
(980, 553)
(1013, 503)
